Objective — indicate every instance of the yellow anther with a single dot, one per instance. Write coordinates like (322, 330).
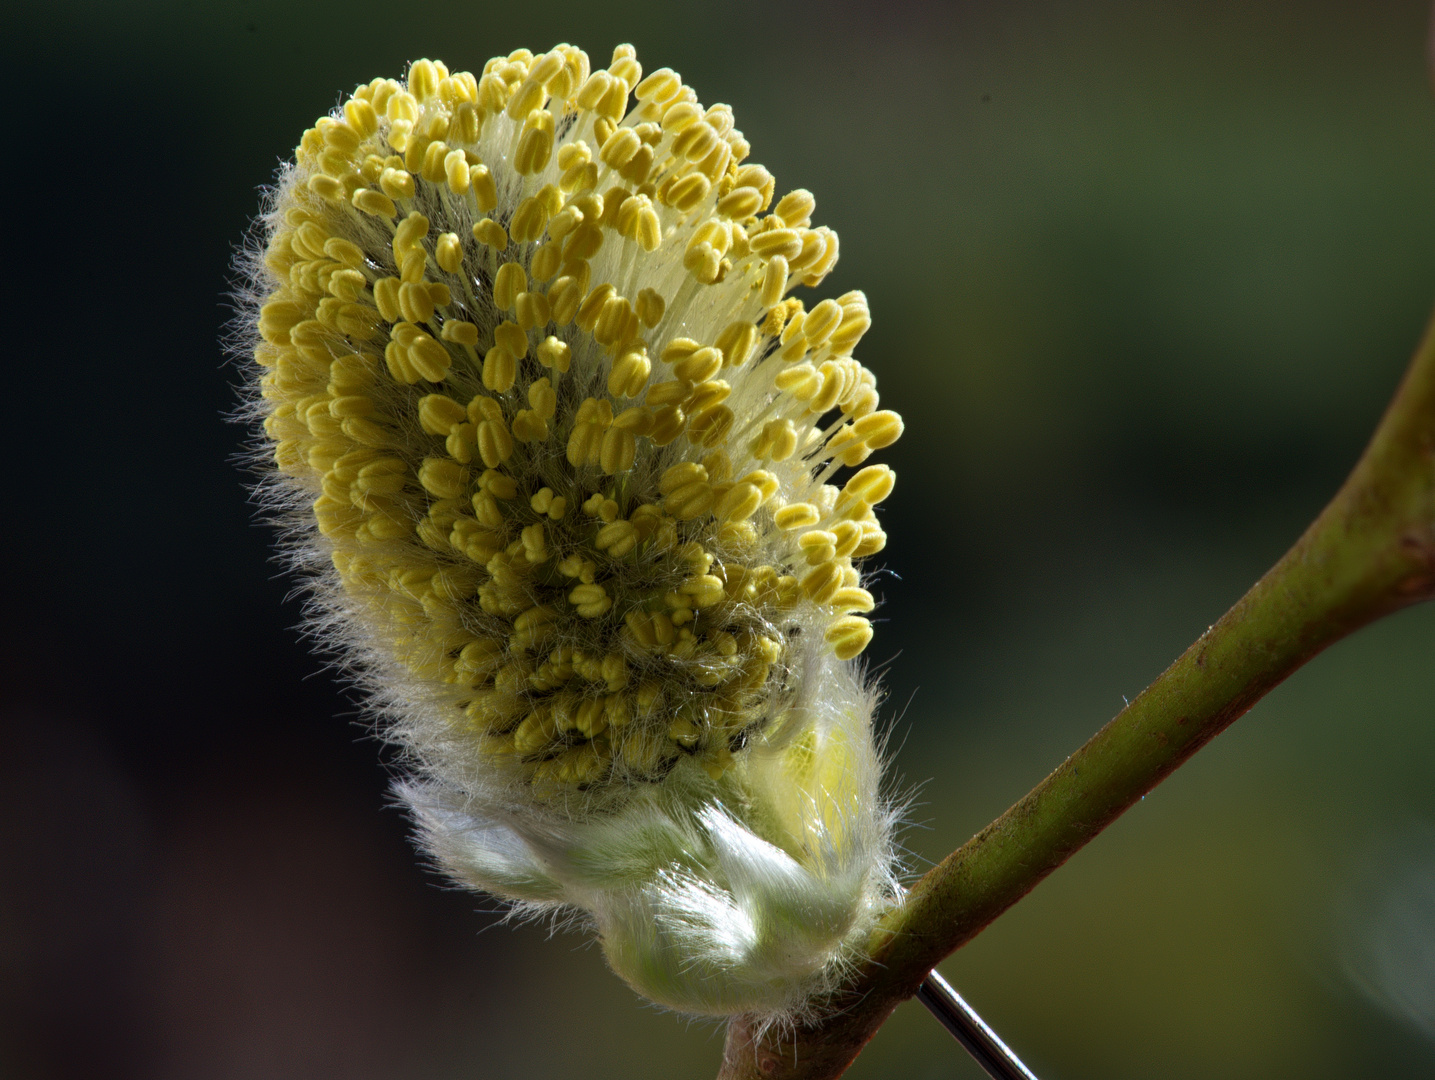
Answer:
(535, 544)
(678, 349)
(638, 419)
(681, 115)
(610, 109)
(361, 116)
(856, 318)
(719, 465)
(396, 183)
(688, 192)
(507, 284)
(591, 601)
(614, 670)
(796, 516)
(438, 413)
(415, 303)
(625, 64)
(618, 451)
(455, 170)
(461, 442)
(410, 231)
(460, 332)
(547, 261)
(696, 141)
(738, 503)
(611, 326)
(650, 308)
(620, 148)
(680, 475)
(585, 444)
(848, 636)
(689, 501)
(402, 105)
(554, 353)
(814, 248)
(795, 208)
(821, 322)
(532, 310)
(574, 153)
(446, 479)
(630, 373)
(766, 483)
(411, 266)
(347, 284)
(497, 484)
(565, 221)
(851, 598)
(529, 427)
(464, 126)
(617, 538)
(500, 369)
(542, 397)
(510, 336)
(801, 381)
(773, 242)
(707, 396)
(821, 583)
(485, 191)
(580, 177)
(849, 534)
(478, 660)
(351, 405)
(662, 85)
(737, 342)
(674, 392)
(698, 366)
(536, 147)
(491, 234)
(740, 203)
(592, 307)
(423, 79)
(529, 96)
(871, 485)
(529, 221)
(638, 221)
(495, 444)
(668, 423)
(564, 296)
(373, 203)
(433, 168)
(704, 590)
(400, 132)
(704, 262)
(326, 187)
(426, 356)
(878, 429)
(818, 546)
(774, 281)
(583, 242)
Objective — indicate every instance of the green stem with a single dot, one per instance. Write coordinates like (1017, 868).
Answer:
(1369, 553)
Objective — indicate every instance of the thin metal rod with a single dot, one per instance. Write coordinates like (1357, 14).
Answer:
(971, 1030)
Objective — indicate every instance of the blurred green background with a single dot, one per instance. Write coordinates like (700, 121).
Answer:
(1143, 274)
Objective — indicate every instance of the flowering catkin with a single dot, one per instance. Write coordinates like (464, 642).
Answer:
(553, 446)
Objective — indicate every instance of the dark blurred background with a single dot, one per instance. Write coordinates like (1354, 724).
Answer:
(1144, 275)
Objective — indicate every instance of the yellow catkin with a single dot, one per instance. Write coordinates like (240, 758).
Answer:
(566, 436)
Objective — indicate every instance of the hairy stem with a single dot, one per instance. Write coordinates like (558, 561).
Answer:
(1370, 552)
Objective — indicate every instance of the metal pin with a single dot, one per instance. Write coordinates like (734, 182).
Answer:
(971, 1030)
